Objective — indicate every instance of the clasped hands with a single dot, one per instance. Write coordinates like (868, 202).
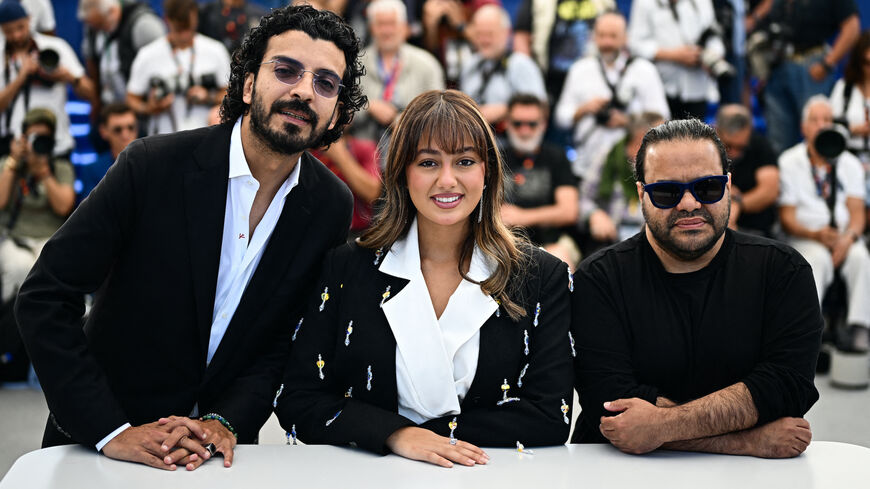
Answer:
(641, 427)
(173, 441)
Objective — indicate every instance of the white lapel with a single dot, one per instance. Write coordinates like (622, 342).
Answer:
(435, 359)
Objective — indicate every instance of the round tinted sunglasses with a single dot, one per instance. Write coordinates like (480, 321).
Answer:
(706, 190)
(289, 71)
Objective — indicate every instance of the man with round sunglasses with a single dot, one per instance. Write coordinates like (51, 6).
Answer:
(199, 247)
(691, 336)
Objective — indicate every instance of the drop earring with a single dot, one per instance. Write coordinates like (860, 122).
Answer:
(480, 214)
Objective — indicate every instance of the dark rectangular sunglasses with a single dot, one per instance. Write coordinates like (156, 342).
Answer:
(706, 190)
(289, 71)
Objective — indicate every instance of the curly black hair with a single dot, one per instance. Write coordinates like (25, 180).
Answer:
(318, 24)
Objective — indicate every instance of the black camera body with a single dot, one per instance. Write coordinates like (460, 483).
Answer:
(158, 87)
(603, 115)
(208, 81)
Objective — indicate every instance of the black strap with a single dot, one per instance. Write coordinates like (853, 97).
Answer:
(612, 86)
(499, 66)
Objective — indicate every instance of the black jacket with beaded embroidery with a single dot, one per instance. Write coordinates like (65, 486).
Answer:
(321, 412)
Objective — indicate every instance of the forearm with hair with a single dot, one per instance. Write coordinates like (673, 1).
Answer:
(729, 444)
(724, 411)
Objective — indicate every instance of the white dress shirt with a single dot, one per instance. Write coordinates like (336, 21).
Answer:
(638, 86)
(652, 26)
(240, 254)
(436, 358)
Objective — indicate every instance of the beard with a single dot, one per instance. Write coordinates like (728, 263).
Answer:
(289, 140)
(694, 246)
(525, 146)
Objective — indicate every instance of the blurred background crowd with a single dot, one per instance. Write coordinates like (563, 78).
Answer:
(571, 87)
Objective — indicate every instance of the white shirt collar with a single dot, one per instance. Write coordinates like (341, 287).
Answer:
(239, 164)
(403, 259)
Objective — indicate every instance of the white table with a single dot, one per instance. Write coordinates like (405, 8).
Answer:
(824, 465)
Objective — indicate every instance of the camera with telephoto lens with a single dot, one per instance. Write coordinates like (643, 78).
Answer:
(767, 47)
(41, 144)
(830, 142)
(711, 59)
(48, 60)
(158, 87)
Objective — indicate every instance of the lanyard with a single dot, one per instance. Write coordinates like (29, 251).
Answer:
(389, 78)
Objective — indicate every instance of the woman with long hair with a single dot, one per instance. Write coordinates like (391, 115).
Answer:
(439, 331)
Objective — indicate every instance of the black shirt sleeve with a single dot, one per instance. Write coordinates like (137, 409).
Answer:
(524, 17)
(603, 369)
(781, 383)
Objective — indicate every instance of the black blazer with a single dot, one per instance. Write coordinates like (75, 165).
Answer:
(148, 241)
(369, 417)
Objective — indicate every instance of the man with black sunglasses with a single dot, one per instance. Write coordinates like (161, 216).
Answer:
(199, 247)
(691, 336)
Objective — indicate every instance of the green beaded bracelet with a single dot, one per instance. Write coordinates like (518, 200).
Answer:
(220, 419)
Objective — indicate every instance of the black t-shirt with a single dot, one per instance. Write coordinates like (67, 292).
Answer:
(758, 153)
(752, 315)
(533, 182)
(812, 22)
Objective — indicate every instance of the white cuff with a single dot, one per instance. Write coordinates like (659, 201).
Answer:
(111, 436)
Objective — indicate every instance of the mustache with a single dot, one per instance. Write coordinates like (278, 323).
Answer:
(676, 216)
(296, 106)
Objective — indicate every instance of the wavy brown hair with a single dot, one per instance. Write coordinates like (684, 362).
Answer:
(452, 121)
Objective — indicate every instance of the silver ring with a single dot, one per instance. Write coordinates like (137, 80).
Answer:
(453, 441)
(211, 449)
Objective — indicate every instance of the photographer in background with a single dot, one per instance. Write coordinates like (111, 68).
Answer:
(682, 37)
(601, 91)
(36, 195)
(178, 78)
(822, 209)
(35, 71)
(807, 65)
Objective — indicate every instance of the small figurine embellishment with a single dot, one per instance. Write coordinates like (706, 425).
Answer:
(320, 364)
(369, 378)
(277, 394)
(452, 425)
(570, 280)
(296, 331)
(526, 341)
(324, 297)
(522, 449)
(537, 313)
(385, 296)
(378, 253)
(505, 387)
(349, 331)
(333, 419)
(291, 437)
(571, 339)
(565, 409)
(522, 374)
